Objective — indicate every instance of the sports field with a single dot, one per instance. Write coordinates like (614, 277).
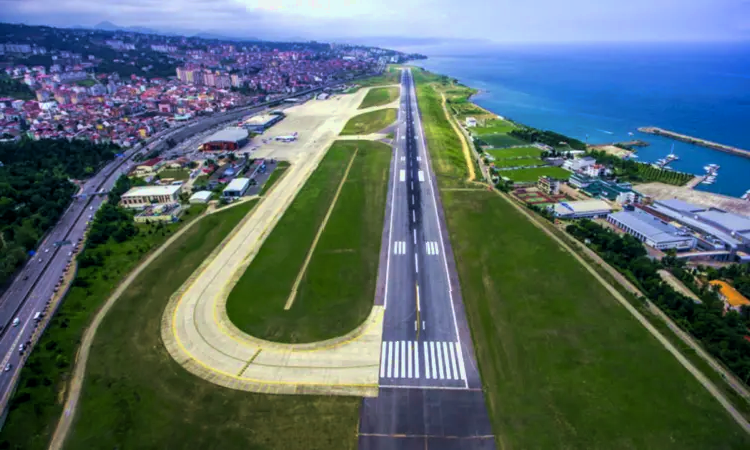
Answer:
(514, 152)
(493, 126)
(502, 140)
(176, 174)
(518, 162)
(370, 122)
(379, 96)
(136, 396)
(563, 365)
(338, 288)
(533, 174)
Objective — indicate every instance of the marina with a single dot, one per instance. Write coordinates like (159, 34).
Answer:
(695, 141)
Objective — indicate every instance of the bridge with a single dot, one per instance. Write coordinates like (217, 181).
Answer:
(90, 194)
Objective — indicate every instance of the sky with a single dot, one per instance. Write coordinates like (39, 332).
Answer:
(414, 21)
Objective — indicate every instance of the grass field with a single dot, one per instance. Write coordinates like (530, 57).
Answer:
(176, 174)
(390, 76)
(493, 126)
(370, 122)
(502, 140)
(278, 172)
(380, 96)
(35, 406)
(518, 162)
(136, 396)
(533, 174)
(500, 153)
(337, 291)
(563, 364)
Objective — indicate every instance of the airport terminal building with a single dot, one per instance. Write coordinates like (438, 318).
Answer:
(259, 124)
(228, 139)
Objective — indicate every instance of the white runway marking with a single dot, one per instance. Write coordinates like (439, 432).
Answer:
(421, 176)
(402, 175)
(432, 248)
(399, 247)
(416, 263)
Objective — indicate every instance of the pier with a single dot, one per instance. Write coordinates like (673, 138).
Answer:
(696, 141)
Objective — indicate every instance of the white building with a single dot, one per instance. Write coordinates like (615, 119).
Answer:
(586, 209)
(200, 197)
(236, 187)
(143, 196)
(471, 122)
(575, 165)
(652, 231)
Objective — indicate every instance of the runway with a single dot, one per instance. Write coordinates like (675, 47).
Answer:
(430, 391)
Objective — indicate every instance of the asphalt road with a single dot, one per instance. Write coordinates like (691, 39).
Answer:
(430, 391)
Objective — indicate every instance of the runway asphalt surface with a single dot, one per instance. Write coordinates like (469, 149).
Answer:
(430, 391)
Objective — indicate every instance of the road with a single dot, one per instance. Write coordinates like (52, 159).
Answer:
(430, 391)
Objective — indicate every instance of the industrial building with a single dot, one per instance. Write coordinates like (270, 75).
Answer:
(142, 196)
(228, 139)
(236, 187)
(549, 185)
(729, 295)
(259, 124)
(652, 231)
(616, 192)
(200, 197)
(586, 209)
(719, 230)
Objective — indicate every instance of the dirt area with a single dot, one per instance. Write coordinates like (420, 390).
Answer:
(677, 285)
(660, 191)
(612, 150)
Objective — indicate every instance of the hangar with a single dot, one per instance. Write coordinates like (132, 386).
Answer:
(258, 124)
(228, 139)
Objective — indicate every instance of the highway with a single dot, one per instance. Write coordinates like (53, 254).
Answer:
(430, 391)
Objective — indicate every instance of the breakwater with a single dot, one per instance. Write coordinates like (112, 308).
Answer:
(695, 141)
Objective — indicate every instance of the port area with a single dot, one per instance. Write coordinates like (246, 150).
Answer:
(694, 140)
(661, 191)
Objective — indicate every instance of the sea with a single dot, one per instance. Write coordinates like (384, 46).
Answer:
(600, 93)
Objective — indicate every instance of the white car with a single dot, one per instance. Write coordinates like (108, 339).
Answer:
(16, 321)
(8, 367)
(46, 250)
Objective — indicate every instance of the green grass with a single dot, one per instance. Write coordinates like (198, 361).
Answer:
(176, 174)
(86, 83)
(502, 140)
(276, 175)
(563, 364)
(516, 152)
(391, 76)
(337, 291)
(370, 122)
(493, 126)
(380, 96)
(518, 162)
(136, 396)
(533, 174)
(35, 407)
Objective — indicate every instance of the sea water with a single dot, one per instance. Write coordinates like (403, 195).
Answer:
(602, 93)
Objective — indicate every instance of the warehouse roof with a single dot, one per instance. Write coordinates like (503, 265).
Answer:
(730, 221)
(238, 184)
(649, 226)
(681, 206)
(203, 196)
(580, 207)
(227, 135)
(152, 191)
(261, 119)
(733, 297)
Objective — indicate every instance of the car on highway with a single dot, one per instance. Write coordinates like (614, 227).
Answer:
(46, 250)
(8, 367)
(16, 321)
(21, 348)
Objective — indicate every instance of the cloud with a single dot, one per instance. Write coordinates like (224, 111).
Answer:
(495, 20)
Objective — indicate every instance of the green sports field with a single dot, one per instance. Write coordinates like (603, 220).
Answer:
(518, 162)
(337, 291)
(514, 152)
(493, 126)
(533, 174)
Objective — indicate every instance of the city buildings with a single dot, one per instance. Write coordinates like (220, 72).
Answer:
(549, 185)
